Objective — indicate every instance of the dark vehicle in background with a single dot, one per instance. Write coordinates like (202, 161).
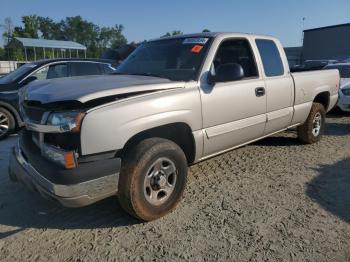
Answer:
(10, 118)
(310, 65)
(344, 92)
(119, 54)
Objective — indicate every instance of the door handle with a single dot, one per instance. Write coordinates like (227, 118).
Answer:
(259, 91)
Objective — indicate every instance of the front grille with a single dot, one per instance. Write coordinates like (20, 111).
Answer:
(33, 113)
(66, 141)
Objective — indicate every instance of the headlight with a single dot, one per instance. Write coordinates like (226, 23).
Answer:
(346, 91)
(67, 120)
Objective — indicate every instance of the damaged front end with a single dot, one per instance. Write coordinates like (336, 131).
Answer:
(55, 130)
(48, 156)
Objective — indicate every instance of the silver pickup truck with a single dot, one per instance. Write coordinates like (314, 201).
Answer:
(174, 102)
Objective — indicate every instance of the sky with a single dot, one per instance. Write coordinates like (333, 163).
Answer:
(150, 19)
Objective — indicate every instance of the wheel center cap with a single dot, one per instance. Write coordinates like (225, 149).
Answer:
(162, 181)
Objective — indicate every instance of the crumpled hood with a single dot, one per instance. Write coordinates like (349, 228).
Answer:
(87, 88)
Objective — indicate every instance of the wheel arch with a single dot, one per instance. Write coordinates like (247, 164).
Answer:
(323, 98)
(179, 132)
(14, 113)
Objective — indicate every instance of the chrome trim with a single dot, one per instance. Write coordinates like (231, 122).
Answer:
(9, 92)
(95, 188)
(61, 62)
(47, 128)
(245, 143)
(43, 128)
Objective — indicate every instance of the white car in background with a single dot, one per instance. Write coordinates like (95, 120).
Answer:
(344, 91)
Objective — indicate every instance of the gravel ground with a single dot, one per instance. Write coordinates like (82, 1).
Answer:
(273, 200)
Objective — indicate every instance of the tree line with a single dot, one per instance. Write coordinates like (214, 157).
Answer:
(96, 38)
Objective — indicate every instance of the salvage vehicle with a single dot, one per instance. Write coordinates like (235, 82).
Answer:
(173, 102)
(344, 92)
(10, 118)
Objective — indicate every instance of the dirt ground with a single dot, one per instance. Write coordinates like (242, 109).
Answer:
(275, 200)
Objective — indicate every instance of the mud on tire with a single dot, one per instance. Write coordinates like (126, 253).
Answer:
(313, 128)
(152, 179)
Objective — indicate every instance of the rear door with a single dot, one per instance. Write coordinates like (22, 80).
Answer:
(85, 68)
(233, 112)
(279, 86)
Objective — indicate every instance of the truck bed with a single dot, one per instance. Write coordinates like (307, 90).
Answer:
(308, 84)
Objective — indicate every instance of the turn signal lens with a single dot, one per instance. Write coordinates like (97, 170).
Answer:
(69, 160)
(78, 121)
(64, 158)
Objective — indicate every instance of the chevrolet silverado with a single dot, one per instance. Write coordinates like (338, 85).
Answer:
(173, 102)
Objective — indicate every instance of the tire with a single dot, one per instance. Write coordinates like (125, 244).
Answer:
(146, 193)
(7, 123)
(313, 129)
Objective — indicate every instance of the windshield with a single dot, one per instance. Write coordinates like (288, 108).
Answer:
(14, 75)
(177, 59)
(344, 70)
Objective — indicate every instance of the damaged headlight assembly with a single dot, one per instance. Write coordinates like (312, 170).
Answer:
(66, 121)
(69, 121)
(67, 159)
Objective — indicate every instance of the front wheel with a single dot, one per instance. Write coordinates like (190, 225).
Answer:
(7, 123)
(152, 179)
(312, 130)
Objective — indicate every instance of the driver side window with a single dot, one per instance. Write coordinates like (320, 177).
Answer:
(237, 51)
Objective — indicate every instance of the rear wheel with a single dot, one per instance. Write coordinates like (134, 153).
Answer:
(152, 179)
(312, 130)
(7, 123)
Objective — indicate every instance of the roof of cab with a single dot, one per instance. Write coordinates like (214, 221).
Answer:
(212, 34)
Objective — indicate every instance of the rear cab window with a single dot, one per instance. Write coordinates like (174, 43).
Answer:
(271, 58)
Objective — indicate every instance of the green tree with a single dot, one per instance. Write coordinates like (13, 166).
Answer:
(174, 32)
(205, 30)
(111, 37)
(7, 35)
(2, 53)
(75, 28)
(49, 29)
(30, 29)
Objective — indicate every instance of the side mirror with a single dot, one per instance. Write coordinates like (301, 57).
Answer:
(226, 73)
(28, 80)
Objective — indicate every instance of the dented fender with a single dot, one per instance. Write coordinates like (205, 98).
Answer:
(109, 127)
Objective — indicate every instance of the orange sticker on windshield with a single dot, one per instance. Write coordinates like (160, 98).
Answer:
(196, 48)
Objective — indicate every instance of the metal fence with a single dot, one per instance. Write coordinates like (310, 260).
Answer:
(8, 66)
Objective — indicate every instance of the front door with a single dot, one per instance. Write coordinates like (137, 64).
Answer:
(233, 112)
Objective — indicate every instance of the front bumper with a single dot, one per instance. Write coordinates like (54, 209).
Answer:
(88, 183)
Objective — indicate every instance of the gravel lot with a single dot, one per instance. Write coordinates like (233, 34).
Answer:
(273, 200)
